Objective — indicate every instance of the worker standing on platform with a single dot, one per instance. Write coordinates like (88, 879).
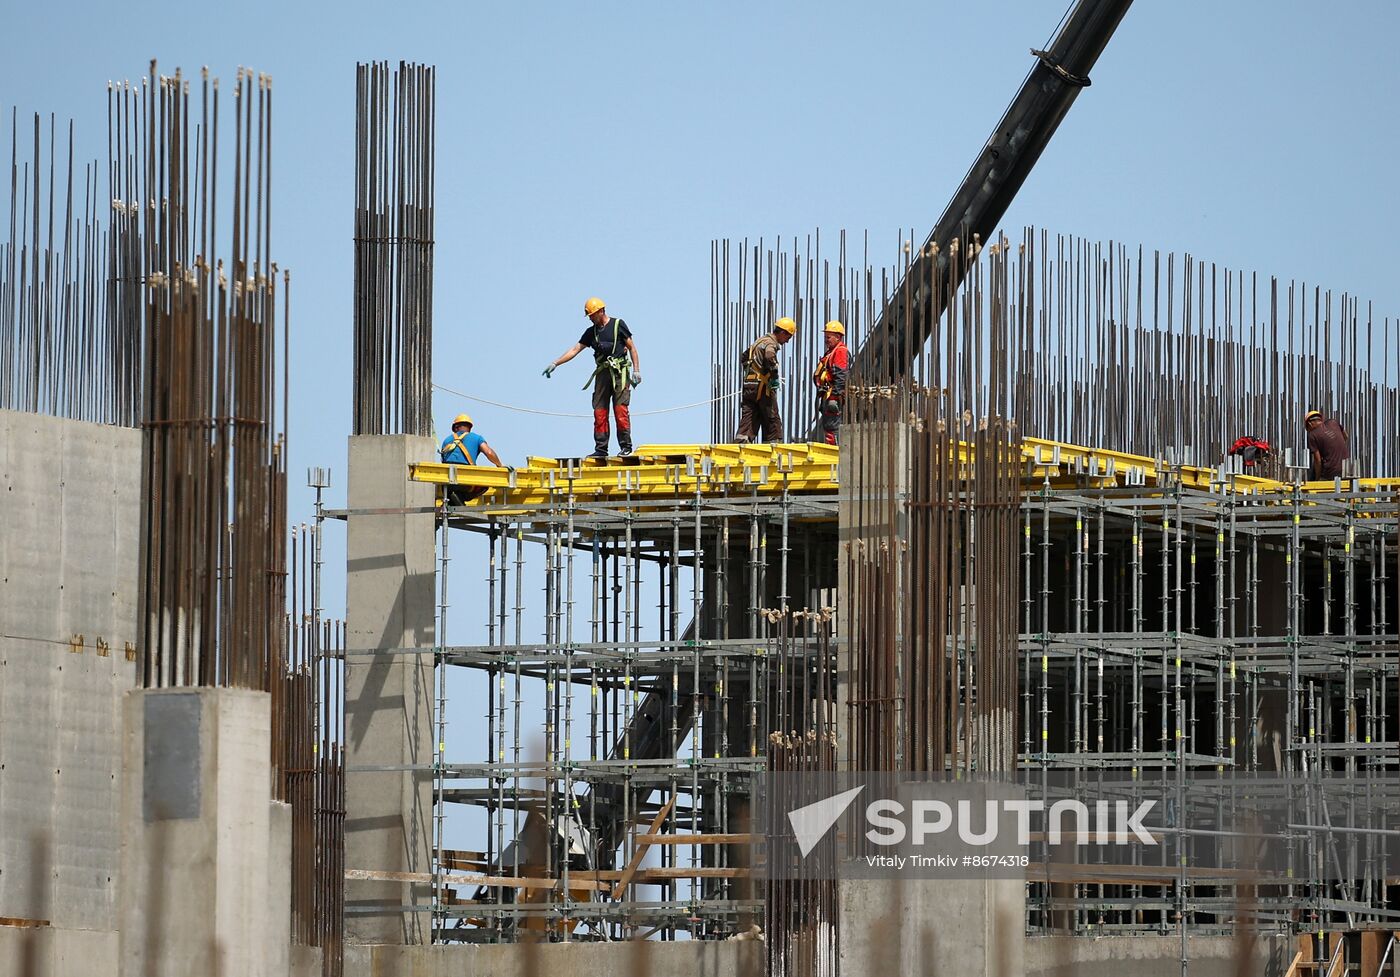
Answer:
(616, 371)
(462, 447)
(1328, 446)
(758, 398)
(830, 379)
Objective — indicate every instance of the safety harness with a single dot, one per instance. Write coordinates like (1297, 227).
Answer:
(823, 376)
(619, 366)
(753, 373)
(457, 440)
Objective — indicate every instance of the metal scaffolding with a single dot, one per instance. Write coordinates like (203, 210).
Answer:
(996, 598)
(678, 634)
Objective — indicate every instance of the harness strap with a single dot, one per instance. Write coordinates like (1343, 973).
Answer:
(620, 366)
(752, 374)
(457, 440)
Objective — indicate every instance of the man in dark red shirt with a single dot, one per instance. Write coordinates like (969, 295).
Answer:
(830, 379)
(1328, 445)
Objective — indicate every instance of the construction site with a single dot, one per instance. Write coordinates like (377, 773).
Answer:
(544, 734)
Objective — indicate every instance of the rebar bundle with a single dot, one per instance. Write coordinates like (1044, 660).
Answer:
(394, 188)
(930, 596)
(800, 914)
(1120, 349)
(751, 287)
(313, 781)
(62, 350)
(214, 484)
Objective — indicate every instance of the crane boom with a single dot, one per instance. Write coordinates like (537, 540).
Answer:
(991, 184)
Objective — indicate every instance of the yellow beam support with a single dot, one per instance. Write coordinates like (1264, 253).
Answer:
(676, 470)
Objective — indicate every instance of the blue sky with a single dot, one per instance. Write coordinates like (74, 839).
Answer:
(598, 148)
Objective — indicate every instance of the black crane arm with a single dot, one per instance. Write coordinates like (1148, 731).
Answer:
(990, 185)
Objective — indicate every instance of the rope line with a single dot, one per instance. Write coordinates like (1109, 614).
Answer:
(556, 413)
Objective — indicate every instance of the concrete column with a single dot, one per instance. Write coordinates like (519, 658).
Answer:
(69, 540)
(972, 927)
(278, 905)
(390, 603)
(196, 835)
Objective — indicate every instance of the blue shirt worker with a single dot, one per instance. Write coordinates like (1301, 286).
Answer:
(616, 371)
(462, 447)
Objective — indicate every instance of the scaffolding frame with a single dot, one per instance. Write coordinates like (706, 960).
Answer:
(1162, 611)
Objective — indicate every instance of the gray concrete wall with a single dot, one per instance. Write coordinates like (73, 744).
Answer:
(970, 927)
(1156, 956)
(69, 540)
(646, 959)
(49, 952)
(390, 603)
(196, 834)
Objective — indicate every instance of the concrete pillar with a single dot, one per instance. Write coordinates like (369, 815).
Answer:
(390, 603)
(195, 833)
(279, 889)
(69, 541)
(972, 927)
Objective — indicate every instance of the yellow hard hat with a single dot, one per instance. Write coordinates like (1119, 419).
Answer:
(786, 325)
(593, 305)
(461, 419)
(836, 327)
(1311, 414)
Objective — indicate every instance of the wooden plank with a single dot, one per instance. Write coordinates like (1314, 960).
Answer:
(508, 881)
(641, 849)
(739, 839)
(699, 872)
(23, 923)
(463, 855)
(658, 874)
(1372, 946)
(1293, 967)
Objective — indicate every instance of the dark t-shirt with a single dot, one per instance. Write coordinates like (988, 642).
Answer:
(1329, 439)
(600, 338)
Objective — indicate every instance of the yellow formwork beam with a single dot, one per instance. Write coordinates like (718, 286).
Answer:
(657, 471)
(675, 470)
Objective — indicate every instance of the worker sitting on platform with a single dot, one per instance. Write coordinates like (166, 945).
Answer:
(1252, 451)
(462, 447)
(613, 375)
(758, 398)
(1328, 446)
(830, 379)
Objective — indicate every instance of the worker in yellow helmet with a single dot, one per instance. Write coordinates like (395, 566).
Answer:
(462, 447)
(830, 379)
(617, 369)
(758, 396)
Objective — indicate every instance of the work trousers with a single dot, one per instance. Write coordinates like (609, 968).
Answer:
(758, 414)
(620, 400)
(829, 409)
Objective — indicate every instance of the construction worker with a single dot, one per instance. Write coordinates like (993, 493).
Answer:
(613, 375)
(830, 379)
(1328, 446)
(758, 398)
(462, 447)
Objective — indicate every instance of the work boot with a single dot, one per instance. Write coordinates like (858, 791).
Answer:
(600, 454)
